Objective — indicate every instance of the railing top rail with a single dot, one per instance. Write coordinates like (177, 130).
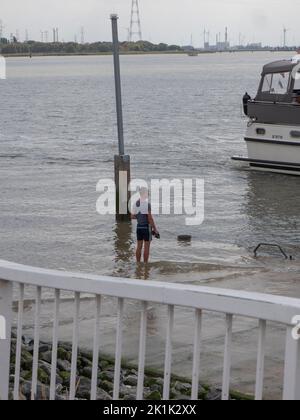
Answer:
(254, 305)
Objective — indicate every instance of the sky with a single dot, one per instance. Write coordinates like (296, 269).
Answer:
(170, 21)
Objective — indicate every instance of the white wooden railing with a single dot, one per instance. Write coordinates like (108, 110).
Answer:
(264, 308)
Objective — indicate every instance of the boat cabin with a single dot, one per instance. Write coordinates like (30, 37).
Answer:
(278, 97)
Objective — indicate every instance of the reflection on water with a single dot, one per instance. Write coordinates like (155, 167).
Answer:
(124, 252)
(184, 244)
(124, 245)
(142, 271)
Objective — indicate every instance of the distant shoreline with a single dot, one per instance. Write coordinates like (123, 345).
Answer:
(91, 54)
(20, 55)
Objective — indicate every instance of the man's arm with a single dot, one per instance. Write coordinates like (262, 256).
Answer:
(151, 222)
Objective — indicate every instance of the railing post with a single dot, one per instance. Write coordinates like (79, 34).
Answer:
(291, 390)
(5, 336)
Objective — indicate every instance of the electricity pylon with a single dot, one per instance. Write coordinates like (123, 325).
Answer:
(135, 21)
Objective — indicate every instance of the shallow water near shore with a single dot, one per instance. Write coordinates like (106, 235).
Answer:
(183, 119)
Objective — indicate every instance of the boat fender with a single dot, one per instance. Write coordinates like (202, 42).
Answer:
(246, 99)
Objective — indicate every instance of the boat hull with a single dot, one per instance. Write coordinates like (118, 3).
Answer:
(274, 148)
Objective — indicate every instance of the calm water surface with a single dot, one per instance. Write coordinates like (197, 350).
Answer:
(182, 119)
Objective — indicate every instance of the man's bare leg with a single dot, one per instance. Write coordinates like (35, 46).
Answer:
(147, 251)
(139, 251)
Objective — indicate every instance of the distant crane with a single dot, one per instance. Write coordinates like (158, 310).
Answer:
(135, 21)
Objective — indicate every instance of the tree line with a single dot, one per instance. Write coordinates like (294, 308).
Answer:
(33, 47)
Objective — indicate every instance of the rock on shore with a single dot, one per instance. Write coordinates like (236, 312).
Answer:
(153, 385)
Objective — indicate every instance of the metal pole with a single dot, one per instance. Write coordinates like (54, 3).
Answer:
(114, 21)
(122, 161)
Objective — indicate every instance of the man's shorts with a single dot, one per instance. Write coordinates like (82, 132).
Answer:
(144, 234)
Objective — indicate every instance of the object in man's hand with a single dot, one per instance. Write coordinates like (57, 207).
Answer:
(156, 235)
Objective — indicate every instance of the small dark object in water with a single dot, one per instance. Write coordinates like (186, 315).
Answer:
(184, 238)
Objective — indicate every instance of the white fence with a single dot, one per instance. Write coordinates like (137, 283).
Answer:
(264, 308)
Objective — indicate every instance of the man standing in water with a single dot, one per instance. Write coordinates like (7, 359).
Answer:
(142, 213)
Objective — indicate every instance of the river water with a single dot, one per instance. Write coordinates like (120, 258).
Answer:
(183, 119)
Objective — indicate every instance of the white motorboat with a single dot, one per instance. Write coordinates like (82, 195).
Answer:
(273, 132)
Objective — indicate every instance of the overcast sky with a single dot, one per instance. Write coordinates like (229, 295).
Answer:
(170, 21)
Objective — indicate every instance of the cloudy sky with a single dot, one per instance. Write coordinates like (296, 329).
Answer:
(170, 21)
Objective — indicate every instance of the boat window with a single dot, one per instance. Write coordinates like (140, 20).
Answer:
(276, 84)
(295, 134)
(280, 83)
(267, 83)
(261, 131)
